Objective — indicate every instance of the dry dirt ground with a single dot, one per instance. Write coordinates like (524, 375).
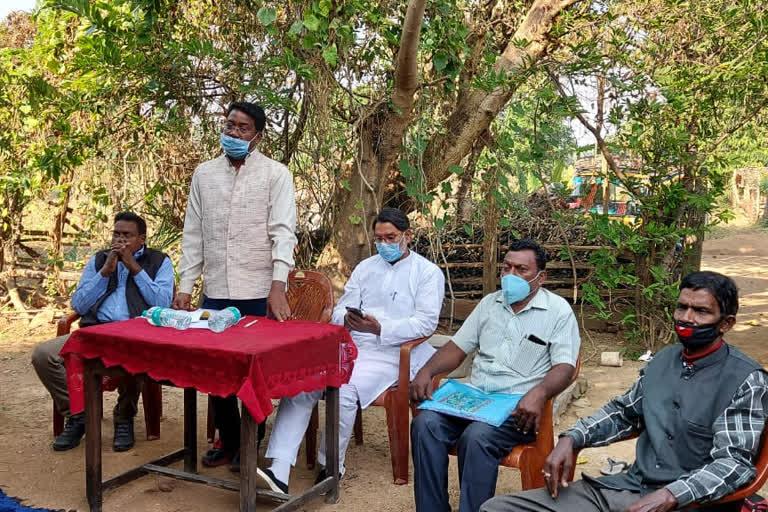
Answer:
(30, 470)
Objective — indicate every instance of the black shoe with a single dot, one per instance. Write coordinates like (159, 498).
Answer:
(124, 439)
(74, 430)
(322, 475)
(217, 457)
(274, 484)
(235, 466)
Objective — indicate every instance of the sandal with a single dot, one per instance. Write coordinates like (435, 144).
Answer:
(613, 467)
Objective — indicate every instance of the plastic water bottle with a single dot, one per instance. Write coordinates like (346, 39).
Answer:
(167, 317)
(221, 320)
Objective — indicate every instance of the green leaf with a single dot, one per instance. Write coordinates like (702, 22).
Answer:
(469, 230)
(406, 169)
(311, 22)
(330, 55)
(439, 61)
(266, 16)
(355, 219)
(455, 169)
(324, 7)
(295, 28)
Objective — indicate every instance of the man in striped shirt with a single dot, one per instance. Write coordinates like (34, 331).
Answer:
(699, 430)
(527, 342)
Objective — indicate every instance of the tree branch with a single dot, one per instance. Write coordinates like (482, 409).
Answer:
(598, 137)
(406, 71)
(476, 109)
(737, 127)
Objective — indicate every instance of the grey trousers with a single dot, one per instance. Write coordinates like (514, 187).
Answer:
(52, 373)
(579, 496)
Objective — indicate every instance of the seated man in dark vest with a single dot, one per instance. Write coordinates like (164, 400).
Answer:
(699, 407)
(116, 284)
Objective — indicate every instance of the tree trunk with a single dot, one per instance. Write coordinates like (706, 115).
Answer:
(606, 186)
(13, 294)
(697, 222)
(490, 236)
(57, 235)
(464, 195)
(381, 134)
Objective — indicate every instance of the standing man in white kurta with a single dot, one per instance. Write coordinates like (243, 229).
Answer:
(400, 295)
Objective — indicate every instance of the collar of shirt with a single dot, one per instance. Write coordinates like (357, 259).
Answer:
(138, 253)
(538, 301)
(254, 152)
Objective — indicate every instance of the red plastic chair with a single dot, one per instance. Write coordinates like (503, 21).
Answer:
(529, 458)
(761, 475)
(151, 393)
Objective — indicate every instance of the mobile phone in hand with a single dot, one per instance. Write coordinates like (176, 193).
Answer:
(355, 311)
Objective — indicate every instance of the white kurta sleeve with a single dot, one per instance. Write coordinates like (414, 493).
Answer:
(191, 262)
(351, 297)
(282, 223)
(428, 302)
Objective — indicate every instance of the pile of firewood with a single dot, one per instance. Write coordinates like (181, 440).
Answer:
(459, 251)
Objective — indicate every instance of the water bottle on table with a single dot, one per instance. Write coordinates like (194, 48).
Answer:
(224, 319)
(167, 317)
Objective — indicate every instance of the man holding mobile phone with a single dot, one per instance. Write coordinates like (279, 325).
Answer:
(390, 298)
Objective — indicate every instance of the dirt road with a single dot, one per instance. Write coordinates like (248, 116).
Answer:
(30, 470)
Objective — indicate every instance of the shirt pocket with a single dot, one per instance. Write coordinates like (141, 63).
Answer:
(699, 441)
(526, 357)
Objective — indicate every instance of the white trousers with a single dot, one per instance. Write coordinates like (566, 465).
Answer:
(370, 377)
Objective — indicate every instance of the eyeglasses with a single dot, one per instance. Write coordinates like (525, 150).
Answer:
(229, 127)
(389, 239)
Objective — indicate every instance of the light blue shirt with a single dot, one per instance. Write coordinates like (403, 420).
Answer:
(115, 307)
(507, 361)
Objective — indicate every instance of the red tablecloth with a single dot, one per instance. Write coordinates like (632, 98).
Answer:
(267, 360)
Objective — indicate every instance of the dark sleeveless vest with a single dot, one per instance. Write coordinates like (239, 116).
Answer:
(150, 261)
(679, 407)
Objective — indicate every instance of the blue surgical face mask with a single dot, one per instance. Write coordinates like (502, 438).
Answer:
(234, 147)
(390, 252)
(515, 288)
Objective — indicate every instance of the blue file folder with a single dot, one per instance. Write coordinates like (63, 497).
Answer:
(458, 399)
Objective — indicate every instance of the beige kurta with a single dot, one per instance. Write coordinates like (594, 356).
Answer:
(239, 228)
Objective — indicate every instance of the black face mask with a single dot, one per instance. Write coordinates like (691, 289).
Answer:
(696, 336)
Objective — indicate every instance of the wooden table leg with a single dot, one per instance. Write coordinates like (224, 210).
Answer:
(93, 413)
(249, 461)
(190, 430)
(332, 441)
